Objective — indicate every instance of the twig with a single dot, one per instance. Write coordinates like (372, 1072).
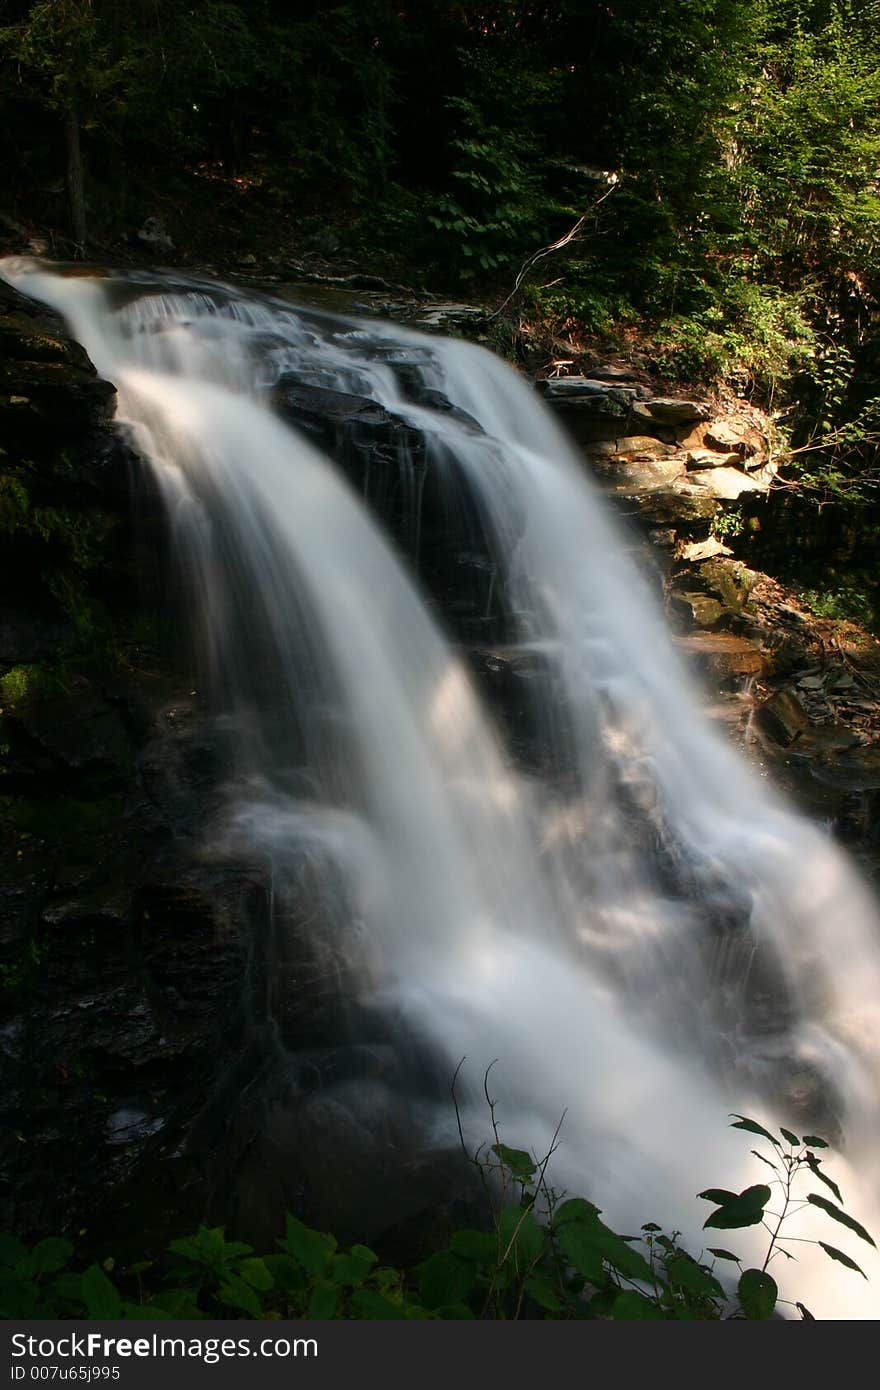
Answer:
(573, 234)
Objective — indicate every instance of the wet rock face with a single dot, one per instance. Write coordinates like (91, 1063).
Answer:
(418, 497)
(122, 957)
(666, 460)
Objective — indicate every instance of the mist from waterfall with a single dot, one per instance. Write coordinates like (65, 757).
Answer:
(649, 940)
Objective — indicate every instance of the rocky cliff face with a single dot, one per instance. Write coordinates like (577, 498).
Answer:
(694, 480)
(122, 958)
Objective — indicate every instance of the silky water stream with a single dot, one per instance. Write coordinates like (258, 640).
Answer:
(642, 934)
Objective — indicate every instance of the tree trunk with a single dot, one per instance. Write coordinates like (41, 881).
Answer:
(75, 179)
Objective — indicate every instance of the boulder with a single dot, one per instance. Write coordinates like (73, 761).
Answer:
(669, 410)
(154, 235)
(734, 437)
(782, 717)
(708, 458)
(680, 506)
(633, 445)
(722, 656)
(693, 552)
(700, 609)
(639, 473)
(730, 581)
(726, 483)
(447, 318)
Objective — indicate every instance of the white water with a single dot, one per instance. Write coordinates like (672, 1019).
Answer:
(506, 919)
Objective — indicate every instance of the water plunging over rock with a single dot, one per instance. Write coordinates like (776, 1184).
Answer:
(643, 933)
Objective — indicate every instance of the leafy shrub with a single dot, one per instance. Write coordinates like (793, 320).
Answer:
(540, 1257)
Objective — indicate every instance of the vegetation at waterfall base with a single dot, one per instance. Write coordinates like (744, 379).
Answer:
(539, 1256)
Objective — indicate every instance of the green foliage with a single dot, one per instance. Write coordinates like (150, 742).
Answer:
(744, 331)
(14, 686)
(846, 603)
(540, 1257)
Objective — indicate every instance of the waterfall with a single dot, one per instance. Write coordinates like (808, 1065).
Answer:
(644, 935)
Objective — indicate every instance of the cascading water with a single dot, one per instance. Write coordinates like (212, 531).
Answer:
(646, 938)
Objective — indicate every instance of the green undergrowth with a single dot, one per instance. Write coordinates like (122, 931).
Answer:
(539, 1256)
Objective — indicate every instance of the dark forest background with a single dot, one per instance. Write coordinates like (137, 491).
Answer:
(720, 160)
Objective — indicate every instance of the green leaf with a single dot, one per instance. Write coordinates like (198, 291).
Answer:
(723, 1254)
(632, 1306)
(324, 1301)
(520, 1237)
(255, 1273)
(815, 1143)
(99, 1295)
(11, 1251)
(742, 1122)
(540, 1288)
(287, 1273)
(687, 1274)
(757, 1293)
(144, 1312)
(747, 1209)
(842, 1258)
(178, 1303)
(575, 1209)
(789, 1137)
(376, 1306)
(353, 1268)
(235, 1293)
(68, 1287)
(843, 1217)
(520, 1164)
(813, 1165)
(454, 1312)
(577, 1243)
(475, 1245)
(445, 1278)
(50, 1255)
(764, 1159)
(311, 1248)
(719, 1195)
(805, 1313)
(588, 1243)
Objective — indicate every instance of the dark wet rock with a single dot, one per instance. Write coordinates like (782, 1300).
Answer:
(154, 235)
(561, 391)
(782, 717)
(669, 410)
(465, 319)
(78, 732)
